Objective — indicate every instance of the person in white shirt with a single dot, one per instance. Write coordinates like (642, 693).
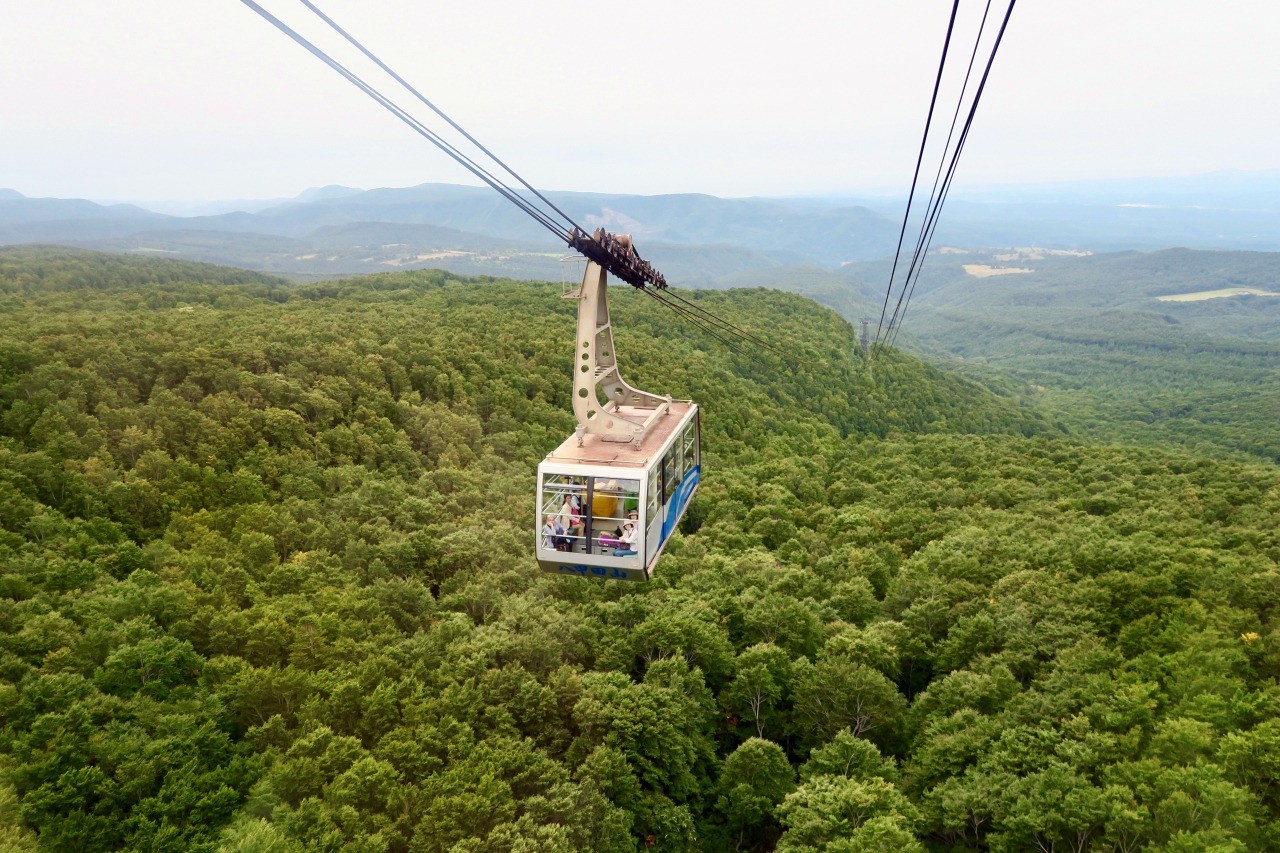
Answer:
(627, 547)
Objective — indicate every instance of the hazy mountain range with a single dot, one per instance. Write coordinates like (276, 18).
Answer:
(695, 239)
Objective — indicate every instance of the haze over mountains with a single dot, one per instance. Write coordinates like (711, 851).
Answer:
(697, 240)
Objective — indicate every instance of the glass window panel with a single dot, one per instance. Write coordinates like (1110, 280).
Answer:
(615, 504)
(671, 465)
(690, 447)
(562, 512)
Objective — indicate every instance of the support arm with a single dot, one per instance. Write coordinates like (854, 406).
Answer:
(604, 404)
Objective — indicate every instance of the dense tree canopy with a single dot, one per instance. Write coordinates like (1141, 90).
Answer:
(1093, 339)
(266, 583)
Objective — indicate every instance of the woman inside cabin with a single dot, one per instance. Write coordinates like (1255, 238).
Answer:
(550, 533)
(627, 541)
(571, 517)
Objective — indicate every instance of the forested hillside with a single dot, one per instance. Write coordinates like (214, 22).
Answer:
(1113, 355)
(266, 583)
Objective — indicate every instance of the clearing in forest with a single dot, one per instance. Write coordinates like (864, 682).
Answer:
(1202, 295)
(986, 270)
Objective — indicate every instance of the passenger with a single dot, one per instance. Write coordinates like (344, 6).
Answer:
(614, 539)
(571, 516)
(634, 515)
(551, 533)
(627, 542)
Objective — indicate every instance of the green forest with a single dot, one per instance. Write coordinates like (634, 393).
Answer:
(1090, 339)
(267, 584)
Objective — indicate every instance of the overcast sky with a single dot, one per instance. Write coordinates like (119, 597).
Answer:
(202, 99)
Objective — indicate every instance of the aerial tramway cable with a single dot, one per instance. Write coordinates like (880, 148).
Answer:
(567, 230)
(937, 196)
(937, 177)
(542, 217)
(924, 139)
(436, 110)
(695, 309)
(692, 318)
(922, 250)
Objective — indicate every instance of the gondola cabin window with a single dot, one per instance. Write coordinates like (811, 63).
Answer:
(653, 493)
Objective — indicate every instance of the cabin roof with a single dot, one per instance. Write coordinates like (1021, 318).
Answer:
(596, 451)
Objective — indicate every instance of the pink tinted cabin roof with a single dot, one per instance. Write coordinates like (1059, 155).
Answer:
(596, 451)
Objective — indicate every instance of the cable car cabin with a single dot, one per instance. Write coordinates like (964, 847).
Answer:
(612, 493)
(606, 509)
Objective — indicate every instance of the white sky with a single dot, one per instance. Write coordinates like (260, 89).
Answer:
(202, 99)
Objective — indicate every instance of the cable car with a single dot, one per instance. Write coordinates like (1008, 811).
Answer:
(610, 496)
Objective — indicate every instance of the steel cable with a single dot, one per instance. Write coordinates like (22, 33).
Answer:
(937, 84)
(933, 192)
(964, 135)
(732, 329)
(436, 110)
(466, 162)
(690, 317)
(701, 317)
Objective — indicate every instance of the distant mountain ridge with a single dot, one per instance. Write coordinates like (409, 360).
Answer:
(473, 230)
(342, 231)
